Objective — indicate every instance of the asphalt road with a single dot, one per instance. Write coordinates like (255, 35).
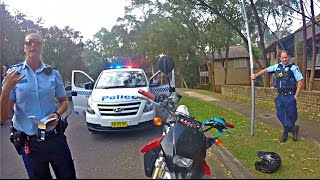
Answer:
(98, 156)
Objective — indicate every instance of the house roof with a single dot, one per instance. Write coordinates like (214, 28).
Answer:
(275, 43)
(290, 36)
(317, 18)
(236, 51)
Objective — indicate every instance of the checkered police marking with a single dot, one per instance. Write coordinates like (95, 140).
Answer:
(82, 93)
(159, 90)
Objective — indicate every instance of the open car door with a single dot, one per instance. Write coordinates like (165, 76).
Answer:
(159, 84)
(80, 94)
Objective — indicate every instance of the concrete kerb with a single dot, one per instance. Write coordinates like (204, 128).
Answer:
(232, 164)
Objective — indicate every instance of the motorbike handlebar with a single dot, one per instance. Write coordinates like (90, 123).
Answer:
(230, 125)
(218, 123)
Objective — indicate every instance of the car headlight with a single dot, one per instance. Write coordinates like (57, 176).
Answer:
(182, 162)
(89, 107)
(148, 106)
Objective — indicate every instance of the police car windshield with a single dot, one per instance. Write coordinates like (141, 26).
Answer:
(121, 79)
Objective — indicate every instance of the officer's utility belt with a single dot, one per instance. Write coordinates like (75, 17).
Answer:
(285, 92)
(20, 139)
(48, 135)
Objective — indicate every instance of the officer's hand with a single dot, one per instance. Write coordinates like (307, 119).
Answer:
(11, 79)
(253, 76)
(4, 72)
(55, 122)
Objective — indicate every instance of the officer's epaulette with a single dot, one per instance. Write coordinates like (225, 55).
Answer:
(48, 69)
(16, 65)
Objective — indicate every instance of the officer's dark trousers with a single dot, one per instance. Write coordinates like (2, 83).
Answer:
(27, 163)
(54, 151)
(287, 111)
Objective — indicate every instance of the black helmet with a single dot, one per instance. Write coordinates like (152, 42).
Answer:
(270, 162)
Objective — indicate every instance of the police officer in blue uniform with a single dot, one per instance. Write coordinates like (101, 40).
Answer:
(32, 88)
(288, 81)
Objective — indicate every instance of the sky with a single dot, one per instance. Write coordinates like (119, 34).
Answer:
(86, 16)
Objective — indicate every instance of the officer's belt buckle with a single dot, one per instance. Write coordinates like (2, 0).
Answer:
(42, 127)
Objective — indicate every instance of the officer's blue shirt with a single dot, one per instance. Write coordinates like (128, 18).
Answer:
(294, 68)
(35, 95)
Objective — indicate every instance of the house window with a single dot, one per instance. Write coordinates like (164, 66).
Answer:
(240, 63)
(317, 74)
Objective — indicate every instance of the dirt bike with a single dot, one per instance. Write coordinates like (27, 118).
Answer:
(180, 152)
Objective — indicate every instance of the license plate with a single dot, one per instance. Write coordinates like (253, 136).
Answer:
(119, 124)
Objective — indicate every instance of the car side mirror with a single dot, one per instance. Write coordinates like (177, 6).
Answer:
(165, 64)
(89, 85)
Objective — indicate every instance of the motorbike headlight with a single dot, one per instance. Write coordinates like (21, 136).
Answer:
(148, 106)
(89, 108)
(182, 162)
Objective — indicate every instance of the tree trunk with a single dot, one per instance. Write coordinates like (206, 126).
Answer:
(238, 30)
(213, 78)
(225, 64)
(183, 82)
(304, 61)
(314, 47)
(261, 42)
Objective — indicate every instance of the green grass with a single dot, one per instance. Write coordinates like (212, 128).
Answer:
(300, 159)
(267, 105)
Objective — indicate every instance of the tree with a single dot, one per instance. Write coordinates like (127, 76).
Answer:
(314, 47)
(304, 61)
(229, 12)
(63, 47)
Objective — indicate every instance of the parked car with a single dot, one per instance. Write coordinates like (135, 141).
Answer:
(68, 90)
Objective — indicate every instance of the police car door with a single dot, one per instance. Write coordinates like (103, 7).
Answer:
(164, 86)
(80, 94)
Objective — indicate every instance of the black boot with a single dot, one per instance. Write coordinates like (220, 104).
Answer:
(284, 137)
(295, 133)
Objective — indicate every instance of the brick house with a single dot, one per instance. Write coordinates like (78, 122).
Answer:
(293, 43)
(238, 71)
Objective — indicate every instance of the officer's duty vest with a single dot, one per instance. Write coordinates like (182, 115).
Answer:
(284, 79)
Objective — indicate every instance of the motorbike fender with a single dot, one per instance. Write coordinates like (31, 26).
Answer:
(154, 144)
(206, 168)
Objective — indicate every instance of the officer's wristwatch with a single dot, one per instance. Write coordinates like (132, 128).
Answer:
(57, 114)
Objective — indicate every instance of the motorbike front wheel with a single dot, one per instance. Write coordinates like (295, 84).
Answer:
(196, 173)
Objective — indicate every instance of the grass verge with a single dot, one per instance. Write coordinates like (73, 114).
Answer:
(267, 105)
(299, 159)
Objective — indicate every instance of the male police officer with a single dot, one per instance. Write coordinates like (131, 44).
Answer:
(286, 76)
(33, 88)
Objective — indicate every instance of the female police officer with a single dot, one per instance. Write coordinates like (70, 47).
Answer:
(286, 77)
(33, 88)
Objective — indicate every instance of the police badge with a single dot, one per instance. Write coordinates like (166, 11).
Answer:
(286, 69)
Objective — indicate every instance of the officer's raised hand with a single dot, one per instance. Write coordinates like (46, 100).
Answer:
(11, 80)
(253, 76)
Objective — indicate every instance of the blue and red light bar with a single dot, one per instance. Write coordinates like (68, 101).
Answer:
(121, 66)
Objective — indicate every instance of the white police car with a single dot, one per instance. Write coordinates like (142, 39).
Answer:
(68, 90)
(111, 102)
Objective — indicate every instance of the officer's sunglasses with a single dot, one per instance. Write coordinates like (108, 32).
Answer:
(29, 42)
